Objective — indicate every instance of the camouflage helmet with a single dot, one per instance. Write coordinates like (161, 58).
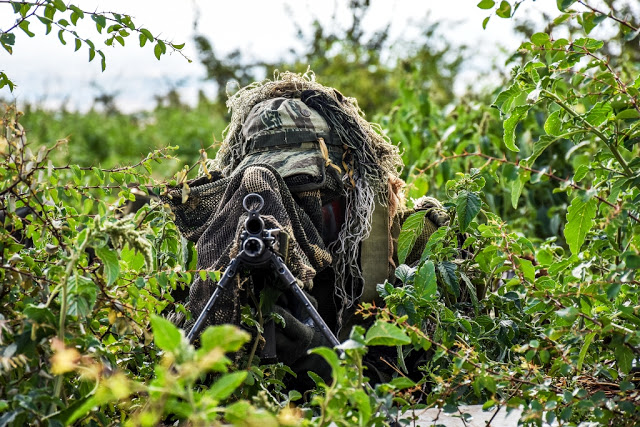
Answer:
(293, 138)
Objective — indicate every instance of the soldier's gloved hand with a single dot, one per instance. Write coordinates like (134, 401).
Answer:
(435, 211)
(297, 336)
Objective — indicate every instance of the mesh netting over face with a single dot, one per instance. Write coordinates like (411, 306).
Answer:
(370, 164)
(213, 217)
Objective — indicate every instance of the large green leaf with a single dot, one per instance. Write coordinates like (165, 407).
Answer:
(383, 333)
(517, 185)
(564, 4)
(467, 207)
(579, 221)
(411, 229)
(518, 114)
(583, 351)
(82, 295)
(425, 282)
(624, 357)
(227, 337)
(447, 272)
(109, 259)
(505, 99)
(226, 385)
(553, 124)
(504, 11)
(165, 334)
(599, 113)
(486, 4)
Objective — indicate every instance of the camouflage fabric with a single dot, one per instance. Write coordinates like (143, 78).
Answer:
(213, 217)
(293, 138)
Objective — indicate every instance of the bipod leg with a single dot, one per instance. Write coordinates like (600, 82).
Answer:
(285, 274)
(229, 273)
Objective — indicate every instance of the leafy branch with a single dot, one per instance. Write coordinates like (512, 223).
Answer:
(121, 27)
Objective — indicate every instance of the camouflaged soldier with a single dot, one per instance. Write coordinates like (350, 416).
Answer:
(330, 180)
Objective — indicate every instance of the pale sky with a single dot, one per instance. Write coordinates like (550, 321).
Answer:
(47, 72)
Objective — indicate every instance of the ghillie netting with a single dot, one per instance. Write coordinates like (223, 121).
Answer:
(369, 175)
(371, 163)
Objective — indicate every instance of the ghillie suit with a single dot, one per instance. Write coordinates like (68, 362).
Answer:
(327, 176)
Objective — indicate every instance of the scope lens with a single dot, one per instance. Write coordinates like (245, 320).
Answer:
(254, 225)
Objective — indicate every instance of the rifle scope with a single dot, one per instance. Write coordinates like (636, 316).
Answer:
(253, 244)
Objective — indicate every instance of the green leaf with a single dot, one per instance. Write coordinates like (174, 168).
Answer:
(157, 50)
(7, 41)
(411, 230)
(103, 60)
(100, 21)
(553, 124)
(517, 186)
(226, 385)
(447, 272)
(228, 337)
(78, 45)
(467, 207)
(589, 44)
(486, 4)
(590, 20)
(405, 273)
(624, 357)
(109, 259)
(59, 4)
(361, 400)
(583, 351)
(613, 290)
(143, 40)
(49, 12)
(61, 38)
(177, 46)
(24, 26)
(539, 39)
(630, 113)
(580, 173)
(579, 221)
(165, 334)
(383, 333)
(485, 22)
(564, 4)
(402, 383)
(528, 270)
(504, 11)
(505, 99)
(599, 113)
(632, 261)
(518, 114)
(332, 359)
(39, 314)
(82, 296)
(568, 313)
(473, 293)
(538, 148)
(77, 14)
(147, 34)
(426, 282)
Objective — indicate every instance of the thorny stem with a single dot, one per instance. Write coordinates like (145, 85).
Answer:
(612, 147)
(609, 15)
